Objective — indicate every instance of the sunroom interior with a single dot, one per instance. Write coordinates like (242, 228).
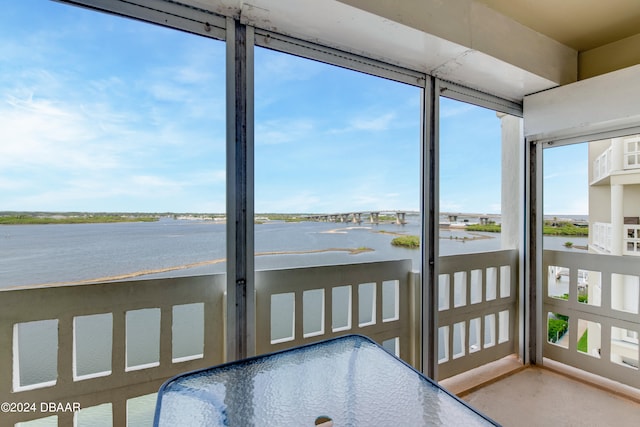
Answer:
(531, 309)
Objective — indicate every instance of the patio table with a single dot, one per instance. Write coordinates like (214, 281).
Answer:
(346, 381)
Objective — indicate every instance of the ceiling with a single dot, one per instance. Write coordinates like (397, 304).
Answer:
(508, 48)
(579, 24)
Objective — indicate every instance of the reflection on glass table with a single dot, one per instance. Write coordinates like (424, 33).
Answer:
(347, 381)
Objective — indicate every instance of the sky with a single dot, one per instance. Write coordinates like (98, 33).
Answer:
(104, 114)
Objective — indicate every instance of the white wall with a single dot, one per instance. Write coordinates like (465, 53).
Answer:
(605, 103)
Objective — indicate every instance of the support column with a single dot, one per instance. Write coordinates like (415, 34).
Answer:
(512, 181)
(617, 218)
(240, 208)
(512, 217)
(618, 288)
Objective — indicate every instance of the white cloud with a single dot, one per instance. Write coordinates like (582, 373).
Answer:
(450, 206)
(108, 85)
(115, 193)
(569, 171)
(193, 74)
(300, 201)
(379, 123)
(280, 68)
(166, 91)
(283, 131)
(493, 208)
(48, 143)
(153, 184)
(46, 133)
(213, 177)
(566, 206)
(80, 131)
(450, 109)
(216, 206)
(368, 123)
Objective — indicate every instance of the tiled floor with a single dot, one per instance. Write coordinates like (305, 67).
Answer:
(540, 397)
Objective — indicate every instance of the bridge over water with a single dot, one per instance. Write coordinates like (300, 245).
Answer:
(372, 217)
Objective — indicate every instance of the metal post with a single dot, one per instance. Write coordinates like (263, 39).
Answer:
(429, 210)
(533, 283)
(240, 206)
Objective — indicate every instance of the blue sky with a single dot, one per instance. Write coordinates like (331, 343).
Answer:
(99, 113)
(565, 181)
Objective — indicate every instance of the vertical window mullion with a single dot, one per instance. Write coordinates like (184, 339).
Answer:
(429, 211)
(240, 242)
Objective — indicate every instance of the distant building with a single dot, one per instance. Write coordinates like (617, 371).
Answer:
(614, 196)
(614, 223)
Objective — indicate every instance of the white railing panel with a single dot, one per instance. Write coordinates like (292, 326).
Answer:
(631, 152)
(631, 240)
(85, 316)
(477, 303)
(598, 297)
(302, 305)
(602, 236)
(602, 165)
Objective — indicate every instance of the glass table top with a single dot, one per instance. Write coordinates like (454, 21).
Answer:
(346, 381)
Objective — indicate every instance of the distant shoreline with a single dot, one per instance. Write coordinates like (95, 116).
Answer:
(352, 251)
(80, 219)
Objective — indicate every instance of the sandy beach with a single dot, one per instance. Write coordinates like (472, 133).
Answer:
(126, 276)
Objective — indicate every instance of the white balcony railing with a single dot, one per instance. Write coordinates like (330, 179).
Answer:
(602, 233)
(601, 313)
(139, 333)
(302, 305)
(601, 236)
(632, 152)
(631, 240)
(181, 320)
(602, 165)
(104, 347)
(477, 310)
(105, 344)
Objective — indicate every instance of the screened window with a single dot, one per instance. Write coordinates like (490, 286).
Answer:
(337, 164)
(106, 120)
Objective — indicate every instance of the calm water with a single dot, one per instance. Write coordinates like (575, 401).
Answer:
(39, 254)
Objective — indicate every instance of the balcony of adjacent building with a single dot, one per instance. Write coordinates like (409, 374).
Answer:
(617, 161)
(628, 242)
(615, 180)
